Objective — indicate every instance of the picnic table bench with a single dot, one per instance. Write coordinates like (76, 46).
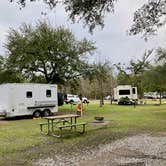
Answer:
(73, 125)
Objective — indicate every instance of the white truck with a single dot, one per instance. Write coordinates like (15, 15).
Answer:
(125, 91)
(18, 99)
(70, 98)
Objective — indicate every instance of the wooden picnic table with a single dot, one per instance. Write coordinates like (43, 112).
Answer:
(53, 121)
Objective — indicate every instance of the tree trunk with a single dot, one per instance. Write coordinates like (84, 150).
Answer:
(160, 99)
(101, 93)
(111, 100)
(111, 97)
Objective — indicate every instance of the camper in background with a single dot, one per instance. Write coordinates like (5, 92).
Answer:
(18, 99)
(125, 91)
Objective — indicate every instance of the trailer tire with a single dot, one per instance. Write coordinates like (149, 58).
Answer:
(37, 114)
(46, 112)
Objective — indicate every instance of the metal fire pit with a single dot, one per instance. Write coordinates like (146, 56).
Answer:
(99, 118)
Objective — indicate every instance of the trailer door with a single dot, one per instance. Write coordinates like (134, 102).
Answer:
(20, 96)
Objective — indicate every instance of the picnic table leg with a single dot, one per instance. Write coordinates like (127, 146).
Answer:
(41, 128)
(60, 132)
(48, 125)
(83, 128)
(75, 121)
(63, 121)
(52, 127)
(71, 122)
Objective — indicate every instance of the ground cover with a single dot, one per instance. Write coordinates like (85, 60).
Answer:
(21, 142)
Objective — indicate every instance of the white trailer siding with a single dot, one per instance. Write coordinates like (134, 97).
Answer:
(4, 100)
(125, 91)
(24, 99)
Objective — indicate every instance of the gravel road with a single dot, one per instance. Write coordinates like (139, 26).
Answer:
(139, 150)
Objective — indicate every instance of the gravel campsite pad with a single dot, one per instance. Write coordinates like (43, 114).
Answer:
(140, 150)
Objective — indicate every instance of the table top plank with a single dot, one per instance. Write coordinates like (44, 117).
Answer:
(61, 116)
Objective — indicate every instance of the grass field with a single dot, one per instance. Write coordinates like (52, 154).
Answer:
(21, 141)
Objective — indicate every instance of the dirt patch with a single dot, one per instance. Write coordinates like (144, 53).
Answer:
(100, 123)
(2, 121)
(140, 150)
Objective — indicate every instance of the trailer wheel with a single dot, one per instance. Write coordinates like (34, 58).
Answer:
(37, 114)
(46, 112)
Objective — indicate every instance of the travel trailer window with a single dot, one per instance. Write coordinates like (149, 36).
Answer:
(48, 93)
(29, 94)
(124, 92)
(133, 90)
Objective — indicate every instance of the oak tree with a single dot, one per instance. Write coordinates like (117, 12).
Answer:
(53, 54)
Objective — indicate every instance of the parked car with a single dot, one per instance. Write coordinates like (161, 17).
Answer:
(126, 101)
(70, 98)
(164, 96)
(107, 97)
(151, 95)
(85, 100)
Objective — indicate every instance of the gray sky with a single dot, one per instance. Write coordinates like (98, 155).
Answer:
(112, 42)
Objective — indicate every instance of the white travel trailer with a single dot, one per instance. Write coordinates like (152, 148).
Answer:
(125, 91)
(18, 99)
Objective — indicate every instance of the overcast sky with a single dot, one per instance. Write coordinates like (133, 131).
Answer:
(112, 42)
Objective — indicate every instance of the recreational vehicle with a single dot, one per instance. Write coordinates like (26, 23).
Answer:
(123, 91)
(18, 99)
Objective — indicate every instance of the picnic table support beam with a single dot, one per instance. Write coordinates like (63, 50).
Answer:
(63, 121)
(73, 125)
(60, 132)
(41, 128)
(48, 126)
(71, 121)
(52, 127)
(83, 128)
(75, 121)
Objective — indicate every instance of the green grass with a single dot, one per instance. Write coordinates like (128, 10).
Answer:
(22, 142)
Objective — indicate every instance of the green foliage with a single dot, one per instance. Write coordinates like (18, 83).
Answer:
(147, 19)
(155, 79)
(99, 71)
(44, 52)
(123, 78)
(138, 67)
(7, 75)
(92, 12)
